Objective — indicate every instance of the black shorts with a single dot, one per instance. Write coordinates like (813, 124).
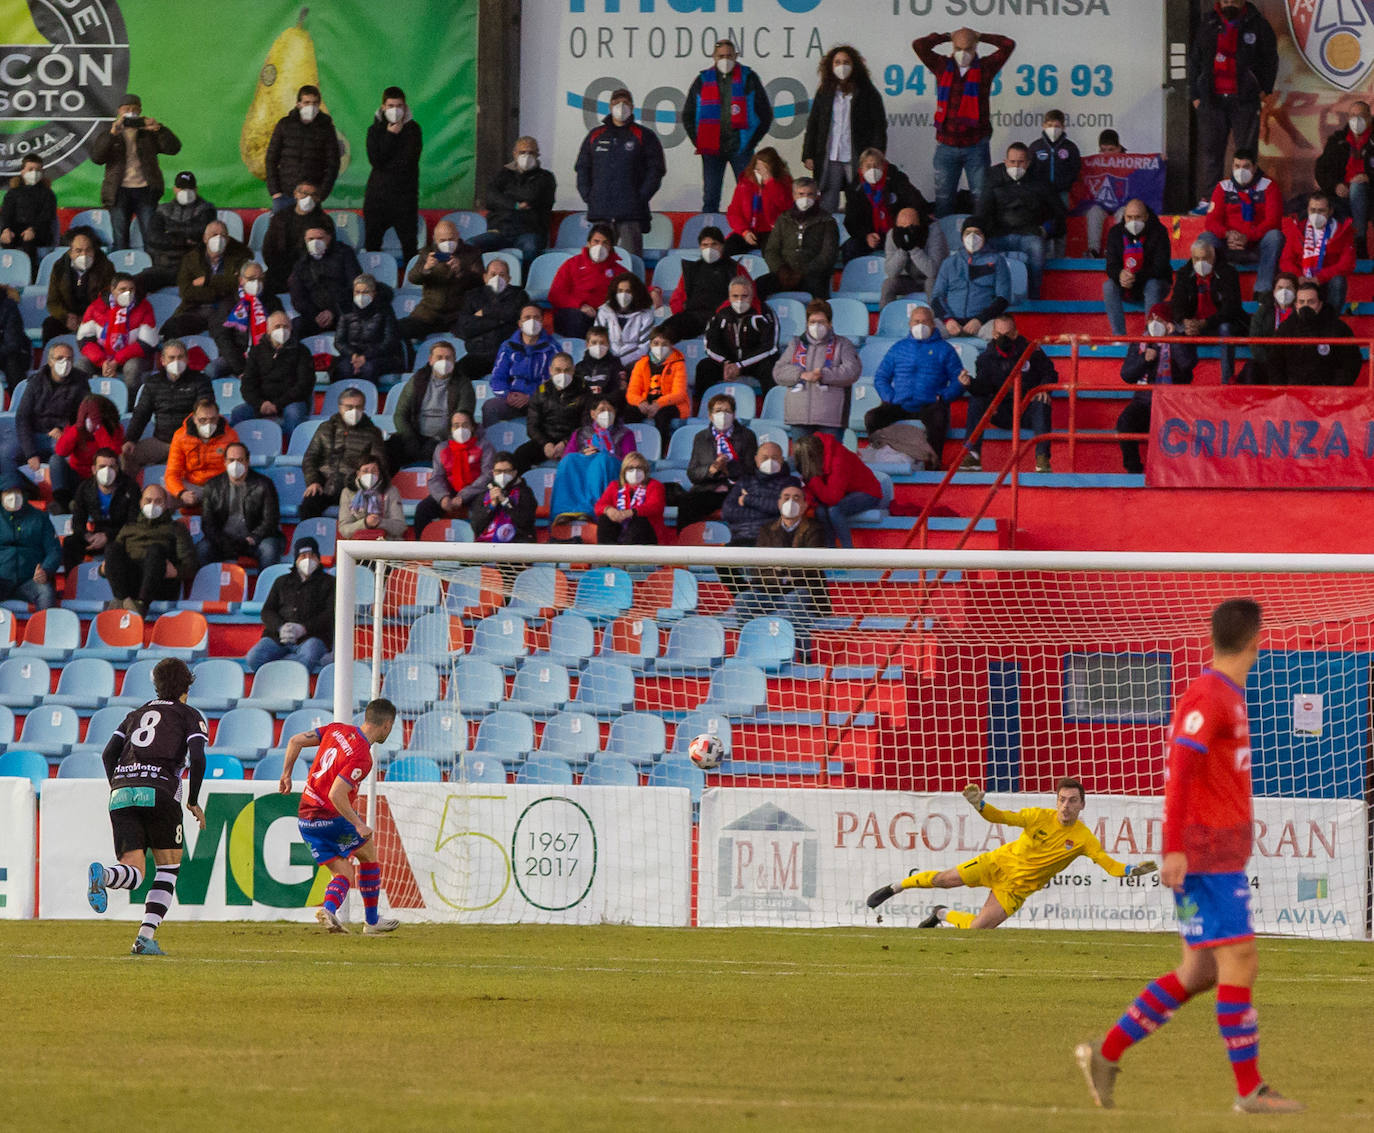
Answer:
(156, 827)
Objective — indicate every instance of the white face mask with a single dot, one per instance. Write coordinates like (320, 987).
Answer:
(624, 299)
(722, 420)
(441, 367)
(308, 113)
(804, 203)
(561, 379)
(82, 263)
(790, 508)
(237, 469)
(1284, 296)
(1202, 268)
(60, 367)
(973, 242)
(770, 467)
(658, 353)
(448, 247)
(305, 204)
(124, 298)
(761, 175)
(873, 174)
(739, 306)
(33, 176)
(462, 434)
(305, 566)
(920, 331)
(621, 112)
(152, 511)
(1016, 172)
(531, 327)
(597, 350)
(352, 416)
(315, 248)
(1157, 329)
(503, 479)
(1135, 227)
(106, 476)
(252, 287)
(174, 367)
(216, 244)
(1054, 133)
(599, 253)
(605, 418)
(1317, 220)
(395, 113)
(725, 66)
(280, 335)
(362, 300)
(186, 197)
(710, 254)
(206, 429)
(498, 283)
(634, 475)
(367, 481)
(842, 71)
(818, 331)
(1357, 125)
(1242, 176)
(963, 58)
(12, 501)
(524, 162)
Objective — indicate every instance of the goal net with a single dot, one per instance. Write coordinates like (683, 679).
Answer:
(549, 694)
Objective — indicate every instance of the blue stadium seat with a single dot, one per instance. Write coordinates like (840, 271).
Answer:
(323, 696)
(290, 485)
(604, 593)
(773, 407)
(481, 686)
(232, 222)
(542, 271)
(138, 684)
(302, 720)
(791, 317)
(164, 305)
(86, 682)
(24, 681)
(263, 587)
(115, 390)
(637, 737)
(863, 396)
(259, 230)
(6, 726)
(545, 770)
(610, 773)
(499, 639)
(691, 228)
(668, 271)
(33, 309)
(507, 436)
(30, 765)
(648, 441)
(99, 728)
(320, 343)
(15, 267)
(205, 342)
(348, 226)
(449, 531)
(540, 687)
(468, 223)
(574, 736)
(382, 266)
(679, 452)
(245, 733)
(299, 441)
(221, 766)
(219, 684)
(701, 722)
(392, 243)
(263, 438)
(440, 734)
(535, 591)
(573, 231)
(45, 266)
(768, 643)
(426, 344)
(745, 399)
(269, 768)
(81, 765)
(659, 239)
(53, 634)
(605, 689)
(693, 350)
(480, 769)
(850, 318)
(1020, 279)
(772, 431)
(335, 391)
(953, 228)
(431, 638)
(737, 689)
(414, 769)
(504, 735)
(413, 686)
(572, 640)
(695, 644)
(51, 729)
(678, 773)
(894, 320)
(753, 263)
(130, 260)
(97, 220)
(862, 280)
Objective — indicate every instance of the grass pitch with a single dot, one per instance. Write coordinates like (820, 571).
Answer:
(275, 1026)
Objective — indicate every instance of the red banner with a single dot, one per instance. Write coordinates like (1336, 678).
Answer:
(1258, 437)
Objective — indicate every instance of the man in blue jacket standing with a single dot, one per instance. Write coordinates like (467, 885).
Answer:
(917, 379)
(619, 169)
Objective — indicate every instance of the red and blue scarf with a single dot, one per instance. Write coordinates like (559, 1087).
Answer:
(877, 200)
(248, 315)
(625, 499)
(1314, 246)
(968, 111)
(1224, 65)
(708, 108)
(804, 345)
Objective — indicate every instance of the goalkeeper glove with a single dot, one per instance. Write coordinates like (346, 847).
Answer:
(974, 794)
(1141, 869)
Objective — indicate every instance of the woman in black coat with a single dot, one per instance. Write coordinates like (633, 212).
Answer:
(844, 76)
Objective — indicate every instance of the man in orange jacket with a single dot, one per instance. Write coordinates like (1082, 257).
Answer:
(197, 452)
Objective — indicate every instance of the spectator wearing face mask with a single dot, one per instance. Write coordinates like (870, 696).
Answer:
(304, 147)
(338, 449)
(1270, 320)
(995, 365)
(838, 484)
(77, 280)
(285, 235)
(368, 343)
(628, 316)
(50, 404)
(278, 377)
(1206, 300)
(1244, 223)
(519, 202)
(197, 453)
(802, 247)
(504, 512)
(118, 334)
(972, 287)
(1095, 219)
(725, 114)
(392, 196)
(322, 282)
(630, 510)
(1055, 162)
(434, 393)
(447, 272)
(741, 340)
(1016, 214)
(28, 214)
(912, 254)
(817, 369)
(207, 281)
(846, 118)
(490, 315)
(1320, 246)
(763, 192)
(298, 616)
(579, 286)
(798, 595)
(101, 505)
(591, 462)
(878, 194)
(702, 288)
(917, 379)
(1342, 172)
(240, 515)
(601, 373)
(1323, 364)
(167, 398)
(151, 557)
(462, 468)
(1138, 263)
(721, 454)
(1159, 362)
(129, 151)
(96, 427)
(178, 227)
(242, 321)
(658, 390)
(752, 501)
(522, 364)
(619, 169)
(29, 553)
(556, 410)
(371, 507)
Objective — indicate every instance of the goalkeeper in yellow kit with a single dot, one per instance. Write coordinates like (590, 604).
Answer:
(1053, 837)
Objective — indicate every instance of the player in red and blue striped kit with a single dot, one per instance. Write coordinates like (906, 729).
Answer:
(328, 818)
(1207, 837)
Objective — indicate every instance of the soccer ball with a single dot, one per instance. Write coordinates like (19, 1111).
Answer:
(706, 752)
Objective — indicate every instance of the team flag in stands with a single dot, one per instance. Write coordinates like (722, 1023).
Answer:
(1109, 180)
(1336, 37)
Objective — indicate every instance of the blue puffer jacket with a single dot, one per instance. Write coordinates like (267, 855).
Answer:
(619, 169)
(974, 286)
(913, 374)
(521, 368)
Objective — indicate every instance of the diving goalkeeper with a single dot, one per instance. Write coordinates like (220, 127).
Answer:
(1053, 838)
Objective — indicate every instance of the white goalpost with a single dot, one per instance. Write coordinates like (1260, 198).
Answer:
(548, 694)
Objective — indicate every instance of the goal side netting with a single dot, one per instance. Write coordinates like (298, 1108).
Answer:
(549, 696)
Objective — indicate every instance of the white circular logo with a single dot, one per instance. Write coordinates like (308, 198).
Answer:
(1192, 723)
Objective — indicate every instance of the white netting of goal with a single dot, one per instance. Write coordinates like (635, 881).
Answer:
(543, 690)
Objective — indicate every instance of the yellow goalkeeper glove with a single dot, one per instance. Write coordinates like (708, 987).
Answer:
(1141, 869)
(974, 794)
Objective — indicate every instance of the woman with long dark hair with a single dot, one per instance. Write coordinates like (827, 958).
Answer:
(847, 117)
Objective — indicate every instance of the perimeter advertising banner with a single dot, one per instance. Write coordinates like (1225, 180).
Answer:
(494, 854)
(220, 74)
(1100, 61)
(809, 858)
(16, 848)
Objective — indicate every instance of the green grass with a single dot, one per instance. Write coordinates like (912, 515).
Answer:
(250, 1026)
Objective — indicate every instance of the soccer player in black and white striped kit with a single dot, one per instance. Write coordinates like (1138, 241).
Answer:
(144, 760)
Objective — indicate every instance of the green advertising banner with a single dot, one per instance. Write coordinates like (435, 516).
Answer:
(220, 73)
